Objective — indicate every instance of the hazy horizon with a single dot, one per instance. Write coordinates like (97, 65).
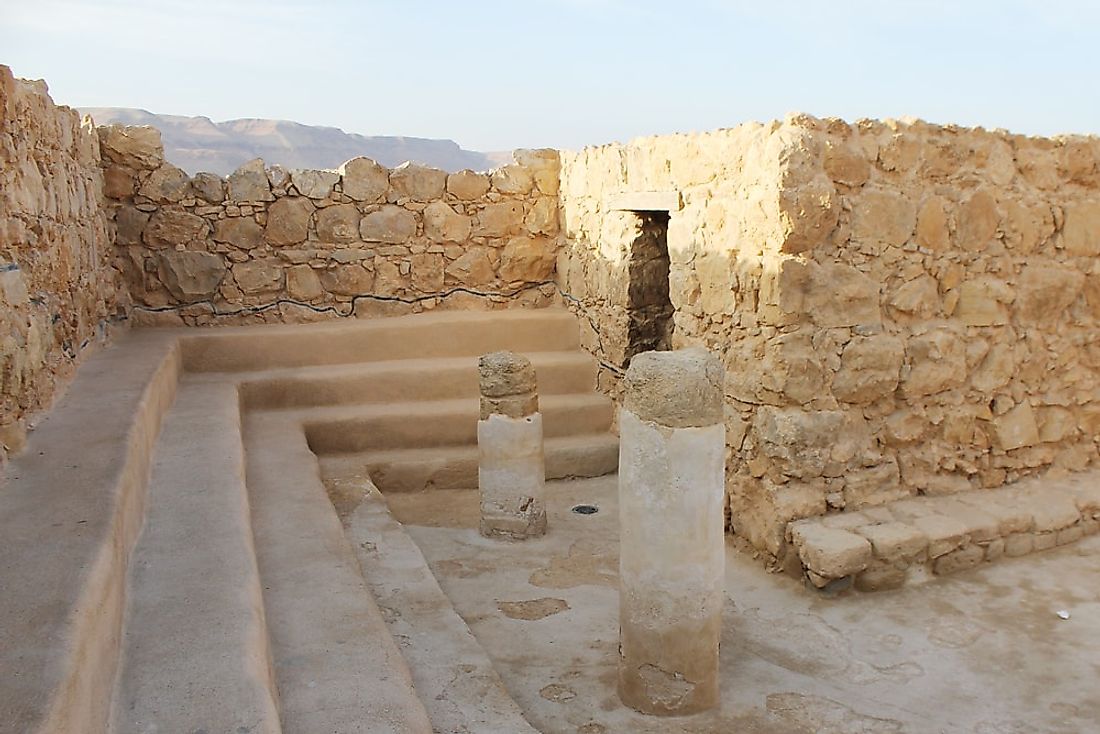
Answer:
(566, 73)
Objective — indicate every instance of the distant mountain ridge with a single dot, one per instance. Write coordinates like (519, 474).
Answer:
(199, 144)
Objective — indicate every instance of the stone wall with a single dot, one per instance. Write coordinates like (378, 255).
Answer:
(266, 244)
(57, 288)
(902, 308)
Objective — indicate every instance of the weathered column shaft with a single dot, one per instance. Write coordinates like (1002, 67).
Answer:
(672, 550)
(511, 463)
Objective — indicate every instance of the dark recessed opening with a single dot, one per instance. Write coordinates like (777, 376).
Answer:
(649, 306)
(586, 509)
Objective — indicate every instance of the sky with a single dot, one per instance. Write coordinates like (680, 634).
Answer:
(567, 73)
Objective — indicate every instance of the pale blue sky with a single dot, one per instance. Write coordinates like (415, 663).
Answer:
(565, 73)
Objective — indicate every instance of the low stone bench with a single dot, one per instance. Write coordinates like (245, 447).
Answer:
(911, 540)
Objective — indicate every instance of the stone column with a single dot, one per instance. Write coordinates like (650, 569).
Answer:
(511, 466)
(672, 452)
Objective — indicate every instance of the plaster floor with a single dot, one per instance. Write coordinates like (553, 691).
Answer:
(982, 651)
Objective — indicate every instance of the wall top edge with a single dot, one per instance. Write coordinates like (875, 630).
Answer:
(836, 126)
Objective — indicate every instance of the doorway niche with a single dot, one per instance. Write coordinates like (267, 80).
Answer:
(648, 305)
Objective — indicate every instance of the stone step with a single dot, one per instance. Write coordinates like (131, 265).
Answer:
(336, 665)
(453, 675)
(72, 509)
(914, 539)
(455, 467)
(438, 423)
(447, 334)
(194, 648)
(403, 380)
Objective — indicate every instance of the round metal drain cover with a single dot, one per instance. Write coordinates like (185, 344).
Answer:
(586, 509)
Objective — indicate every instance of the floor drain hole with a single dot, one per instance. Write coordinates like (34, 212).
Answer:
(586, 509)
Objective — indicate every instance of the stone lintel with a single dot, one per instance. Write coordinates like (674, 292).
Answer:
(645, 201)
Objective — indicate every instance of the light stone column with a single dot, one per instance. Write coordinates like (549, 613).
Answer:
(672, 452)
(511, 465)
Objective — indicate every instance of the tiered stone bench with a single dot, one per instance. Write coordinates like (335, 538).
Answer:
(910, 540)
(197, 576)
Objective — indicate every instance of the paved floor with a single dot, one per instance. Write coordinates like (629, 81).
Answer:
(983, 651)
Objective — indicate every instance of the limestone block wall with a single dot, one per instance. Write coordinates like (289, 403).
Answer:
(903, 308)
(266, 244)
(57, 288)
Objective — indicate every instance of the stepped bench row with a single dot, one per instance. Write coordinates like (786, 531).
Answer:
(73, 504)
(908, 540)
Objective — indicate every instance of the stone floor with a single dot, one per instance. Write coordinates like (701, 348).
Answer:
(982, 651)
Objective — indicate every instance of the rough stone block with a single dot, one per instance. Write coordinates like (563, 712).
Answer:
(467, 185)
(944, 534)
(417, 182)
(500, 219)
(512, 179)
(832, 553)
(347, 280)
(288, 221)
(209, 187)
(393, 224)
(937, 362)
(130, 223)
(1081, 231)
(808, 214)
(259, 276)
(314, 184)
(995, 370)
(137, 147)
(875, 485)
(249, 183)
(978, 219)
(883, 216)
(800, 442)
(338, 224)
(982, 302)
(1044, 292)
(846, 164)
(1046, 541)
(528, 259)
(959, 560)
(166, 185)
(869, 369)
(895, 541)
(932, 224)
(841, 295)
(444, 224)
(242, 232)
(190, 276)
(995, 549)
(173, 227)
(1016, 428)
(1019, 544)
(302, 283)
(472, 268)
(364, 180)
